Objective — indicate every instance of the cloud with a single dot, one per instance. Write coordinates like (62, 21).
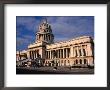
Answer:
(71, 27)
(23, 42)
(27, 22)
(63, 27)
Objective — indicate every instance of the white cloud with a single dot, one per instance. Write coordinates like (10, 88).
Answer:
(30, 23)
(64, 28)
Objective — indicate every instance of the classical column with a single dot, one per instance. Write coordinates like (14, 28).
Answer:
(89, 49)
(86, 50)
(35, 53)
(63, 54)
(53, 53)
(82, 53)
(78, 61)
(43, 36)
(56, 53)
(71, 51)
(47, 54)
(50, 55)
(60, 54)
(30, 54)
(78, 51)
(66, 52)
(46, 37)
(37, 37)
(82, 61)
(74, 52)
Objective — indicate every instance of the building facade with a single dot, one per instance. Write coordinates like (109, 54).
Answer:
(77, 51)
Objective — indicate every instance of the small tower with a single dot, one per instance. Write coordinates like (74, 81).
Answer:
(44, 33)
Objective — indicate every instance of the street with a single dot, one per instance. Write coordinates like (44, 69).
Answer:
(51, 70)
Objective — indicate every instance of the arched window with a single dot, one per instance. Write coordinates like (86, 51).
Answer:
(80, 52)
(68, 52)
(80, 61)
(76, 61)
(85, 61)
(84, 52)
(76, 53)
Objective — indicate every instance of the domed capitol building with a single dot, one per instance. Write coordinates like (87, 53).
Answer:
(77, 51)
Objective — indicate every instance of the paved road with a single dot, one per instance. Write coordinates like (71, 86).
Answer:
(51, 70)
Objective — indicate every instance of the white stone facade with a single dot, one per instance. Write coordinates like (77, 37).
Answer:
(78, 51)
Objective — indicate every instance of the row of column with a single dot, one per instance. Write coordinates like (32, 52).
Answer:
(60, 53)
(33, 54)
(79, 51)
(44, 37)
(66, 53)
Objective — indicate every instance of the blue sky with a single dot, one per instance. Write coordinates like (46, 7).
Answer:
(63, 27)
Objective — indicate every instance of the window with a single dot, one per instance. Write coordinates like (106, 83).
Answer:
(68, 51)
(80, 52)
(76, 53)
(76, 61)
(84, 52)
(80, 61)
(85, 61)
